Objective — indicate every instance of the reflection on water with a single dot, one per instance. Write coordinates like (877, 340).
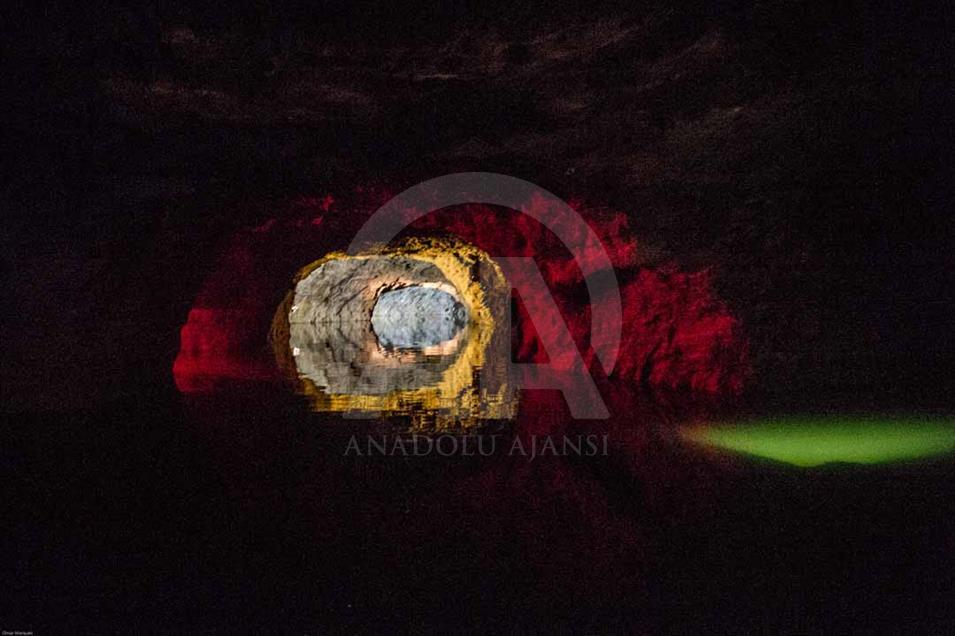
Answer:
(414, 330)
(809, 441)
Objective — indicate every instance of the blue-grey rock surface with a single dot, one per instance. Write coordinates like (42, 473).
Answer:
(417, 317)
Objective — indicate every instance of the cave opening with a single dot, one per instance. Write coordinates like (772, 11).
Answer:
(417, 317)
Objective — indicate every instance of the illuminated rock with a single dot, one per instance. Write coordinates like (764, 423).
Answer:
(417, 316)
(415, 330)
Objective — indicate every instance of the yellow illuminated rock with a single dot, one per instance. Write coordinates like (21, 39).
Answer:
(323, 336)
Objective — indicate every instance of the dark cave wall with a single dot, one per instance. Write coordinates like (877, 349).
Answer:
(796, 149)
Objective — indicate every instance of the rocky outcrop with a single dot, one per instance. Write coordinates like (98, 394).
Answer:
(330, 326)
(413, 330)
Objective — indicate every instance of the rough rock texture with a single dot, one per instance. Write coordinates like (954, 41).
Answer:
(794, 149)
(173, 162)
(330, 326)
(322, 334)
(417, 317)
(678, 334)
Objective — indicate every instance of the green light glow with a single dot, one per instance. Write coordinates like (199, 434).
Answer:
(812, 441)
